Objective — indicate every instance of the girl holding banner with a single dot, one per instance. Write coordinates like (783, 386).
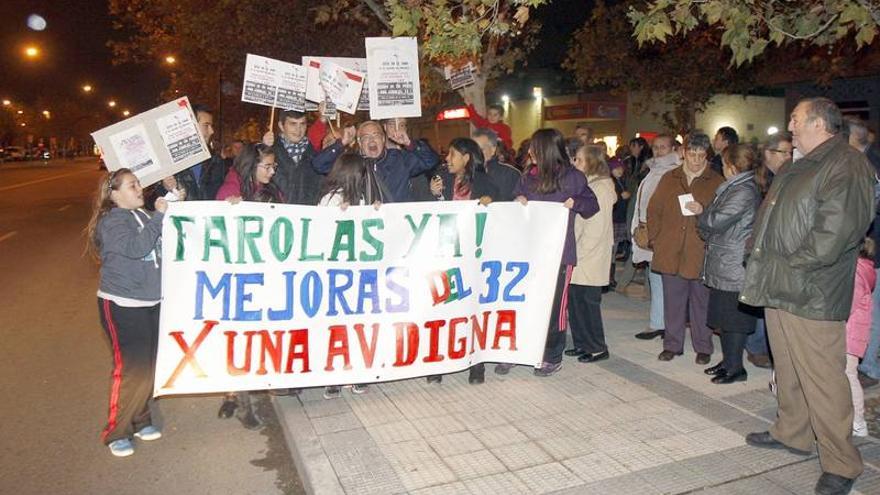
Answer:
(125, 239)
(465, 180)
(550, 177)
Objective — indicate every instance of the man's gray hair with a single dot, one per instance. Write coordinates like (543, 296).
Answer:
(823, 108)
(855, 127)
(489, 134)
(774, 140)
(698, 140)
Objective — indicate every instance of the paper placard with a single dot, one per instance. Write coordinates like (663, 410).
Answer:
(342, 86)
(312, 66)
(461, 77)
(393, 69)
(154, 144)
(274, 83)
(684, 199)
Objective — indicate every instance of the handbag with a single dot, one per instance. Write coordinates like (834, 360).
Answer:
(640, 235)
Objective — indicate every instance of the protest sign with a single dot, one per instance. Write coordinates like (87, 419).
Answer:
(155, 144)
(273, 83)
(460, 77)
(342, 86)
(393, 70)
(315, 93)
(259, 296)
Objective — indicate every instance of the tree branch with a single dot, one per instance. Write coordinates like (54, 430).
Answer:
(378, 11)
(799, 36)
(875, 13)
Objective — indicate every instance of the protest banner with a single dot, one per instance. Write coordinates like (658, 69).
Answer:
(154, 144)
(273, 83)
(393, 71)
(314, 92)
(259, 296)
(342, 86)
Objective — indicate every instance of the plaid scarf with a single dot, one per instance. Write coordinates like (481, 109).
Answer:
(295, 150)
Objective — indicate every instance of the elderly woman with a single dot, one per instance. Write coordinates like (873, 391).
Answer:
(673, 211)
(726, 225)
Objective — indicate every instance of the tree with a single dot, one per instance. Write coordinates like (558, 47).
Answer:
(749, 27)
(493, 34)
(685, 72)
(211, 39)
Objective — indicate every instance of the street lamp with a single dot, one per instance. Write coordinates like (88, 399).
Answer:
(6, 103)
(111, 103)
(126, 113)
(47, 114)
(170, 59)
(31, 51)
(87, 88)
(20, 112)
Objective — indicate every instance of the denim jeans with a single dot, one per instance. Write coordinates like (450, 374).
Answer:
(870, 365)
(657, 319)
(757, 342)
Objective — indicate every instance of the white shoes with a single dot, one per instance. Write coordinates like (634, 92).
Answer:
(860, 428)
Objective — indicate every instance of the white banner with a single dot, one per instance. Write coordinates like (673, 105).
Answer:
(393, 70)
(155, 144)
(259, 296)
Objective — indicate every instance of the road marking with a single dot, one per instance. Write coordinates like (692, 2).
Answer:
(47, 179)
(64, 208)
(7, 236)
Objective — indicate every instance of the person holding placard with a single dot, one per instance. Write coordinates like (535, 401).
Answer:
(680, 198)
(494, 120)
(202, 180)
(294, 152)
(393, 168)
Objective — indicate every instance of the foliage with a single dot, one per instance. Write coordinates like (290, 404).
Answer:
(684, 72)
(749, 27)
(493, 34)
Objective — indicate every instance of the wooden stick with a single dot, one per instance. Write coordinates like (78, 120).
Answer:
(271, 118)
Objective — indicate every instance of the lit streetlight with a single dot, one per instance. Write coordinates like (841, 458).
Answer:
(126, 113)
(87, 88)
(6, 103)
(23, 124)
(47, 114)
(20, 112)
(170, 59)
(111, 103)
(31, 51)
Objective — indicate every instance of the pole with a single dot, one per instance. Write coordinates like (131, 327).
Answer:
(271, 118)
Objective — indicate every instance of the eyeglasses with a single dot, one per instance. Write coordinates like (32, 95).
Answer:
(784, 152)
(370, 137)
(269, 168)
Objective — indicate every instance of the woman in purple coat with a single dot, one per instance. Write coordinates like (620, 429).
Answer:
(550, 177)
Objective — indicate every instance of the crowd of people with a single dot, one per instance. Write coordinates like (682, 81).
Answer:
(769, 246)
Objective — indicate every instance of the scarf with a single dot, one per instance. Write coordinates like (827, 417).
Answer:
(295, 150)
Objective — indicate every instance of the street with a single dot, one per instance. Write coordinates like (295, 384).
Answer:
(56, 364)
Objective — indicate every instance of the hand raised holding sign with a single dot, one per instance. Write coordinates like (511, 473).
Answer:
(348, 135)
(399, 135)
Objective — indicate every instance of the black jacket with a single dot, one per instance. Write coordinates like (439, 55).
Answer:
(482, 185)
(808, 233)
(298, 181)
(505, 178)
(213, 173)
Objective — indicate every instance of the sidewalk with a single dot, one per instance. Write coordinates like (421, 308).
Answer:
(629, 425)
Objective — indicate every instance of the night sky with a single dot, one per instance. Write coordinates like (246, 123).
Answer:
(75, 52)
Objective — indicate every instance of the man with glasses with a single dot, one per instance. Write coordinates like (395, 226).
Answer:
(392, 168)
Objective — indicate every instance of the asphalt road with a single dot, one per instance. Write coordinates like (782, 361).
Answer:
(55, 364)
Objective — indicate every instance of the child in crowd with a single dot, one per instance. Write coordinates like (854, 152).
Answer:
(858, 328)
(125, 240)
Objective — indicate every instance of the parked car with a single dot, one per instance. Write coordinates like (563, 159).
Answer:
(14, 153)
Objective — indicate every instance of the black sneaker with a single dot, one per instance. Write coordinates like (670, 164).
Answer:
(832, 484)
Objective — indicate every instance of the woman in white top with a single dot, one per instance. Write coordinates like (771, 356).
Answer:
(595, 247)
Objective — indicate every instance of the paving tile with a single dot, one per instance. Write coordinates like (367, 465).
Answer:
(628, 484)
(359, 464)
(640, 457)
(686, 421)
(478, 420)
(498, 436)
(374, 408)
(650, 428)
(672, 478)
(417, 405)
(761, 460)
(457, 488)
(320, 408)
(871, 452)
(543, 427)
(437, 426)
(569, 446)
(868, 482)
(717, 468)
(748, 425)
(594, 467)
(417, 465)
(474, 464)
(400, 431)
(547, 478)
(338, 422)
(455, 443)
(753, 400)
(522, 455)
(798, 478)
(378, 481)
(503, 483)
(748, 486)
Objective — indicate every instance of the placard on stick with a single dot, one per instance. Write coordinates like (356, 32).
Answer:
(312, 66)
(273, 83)
(393, 70)
(154, 144)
